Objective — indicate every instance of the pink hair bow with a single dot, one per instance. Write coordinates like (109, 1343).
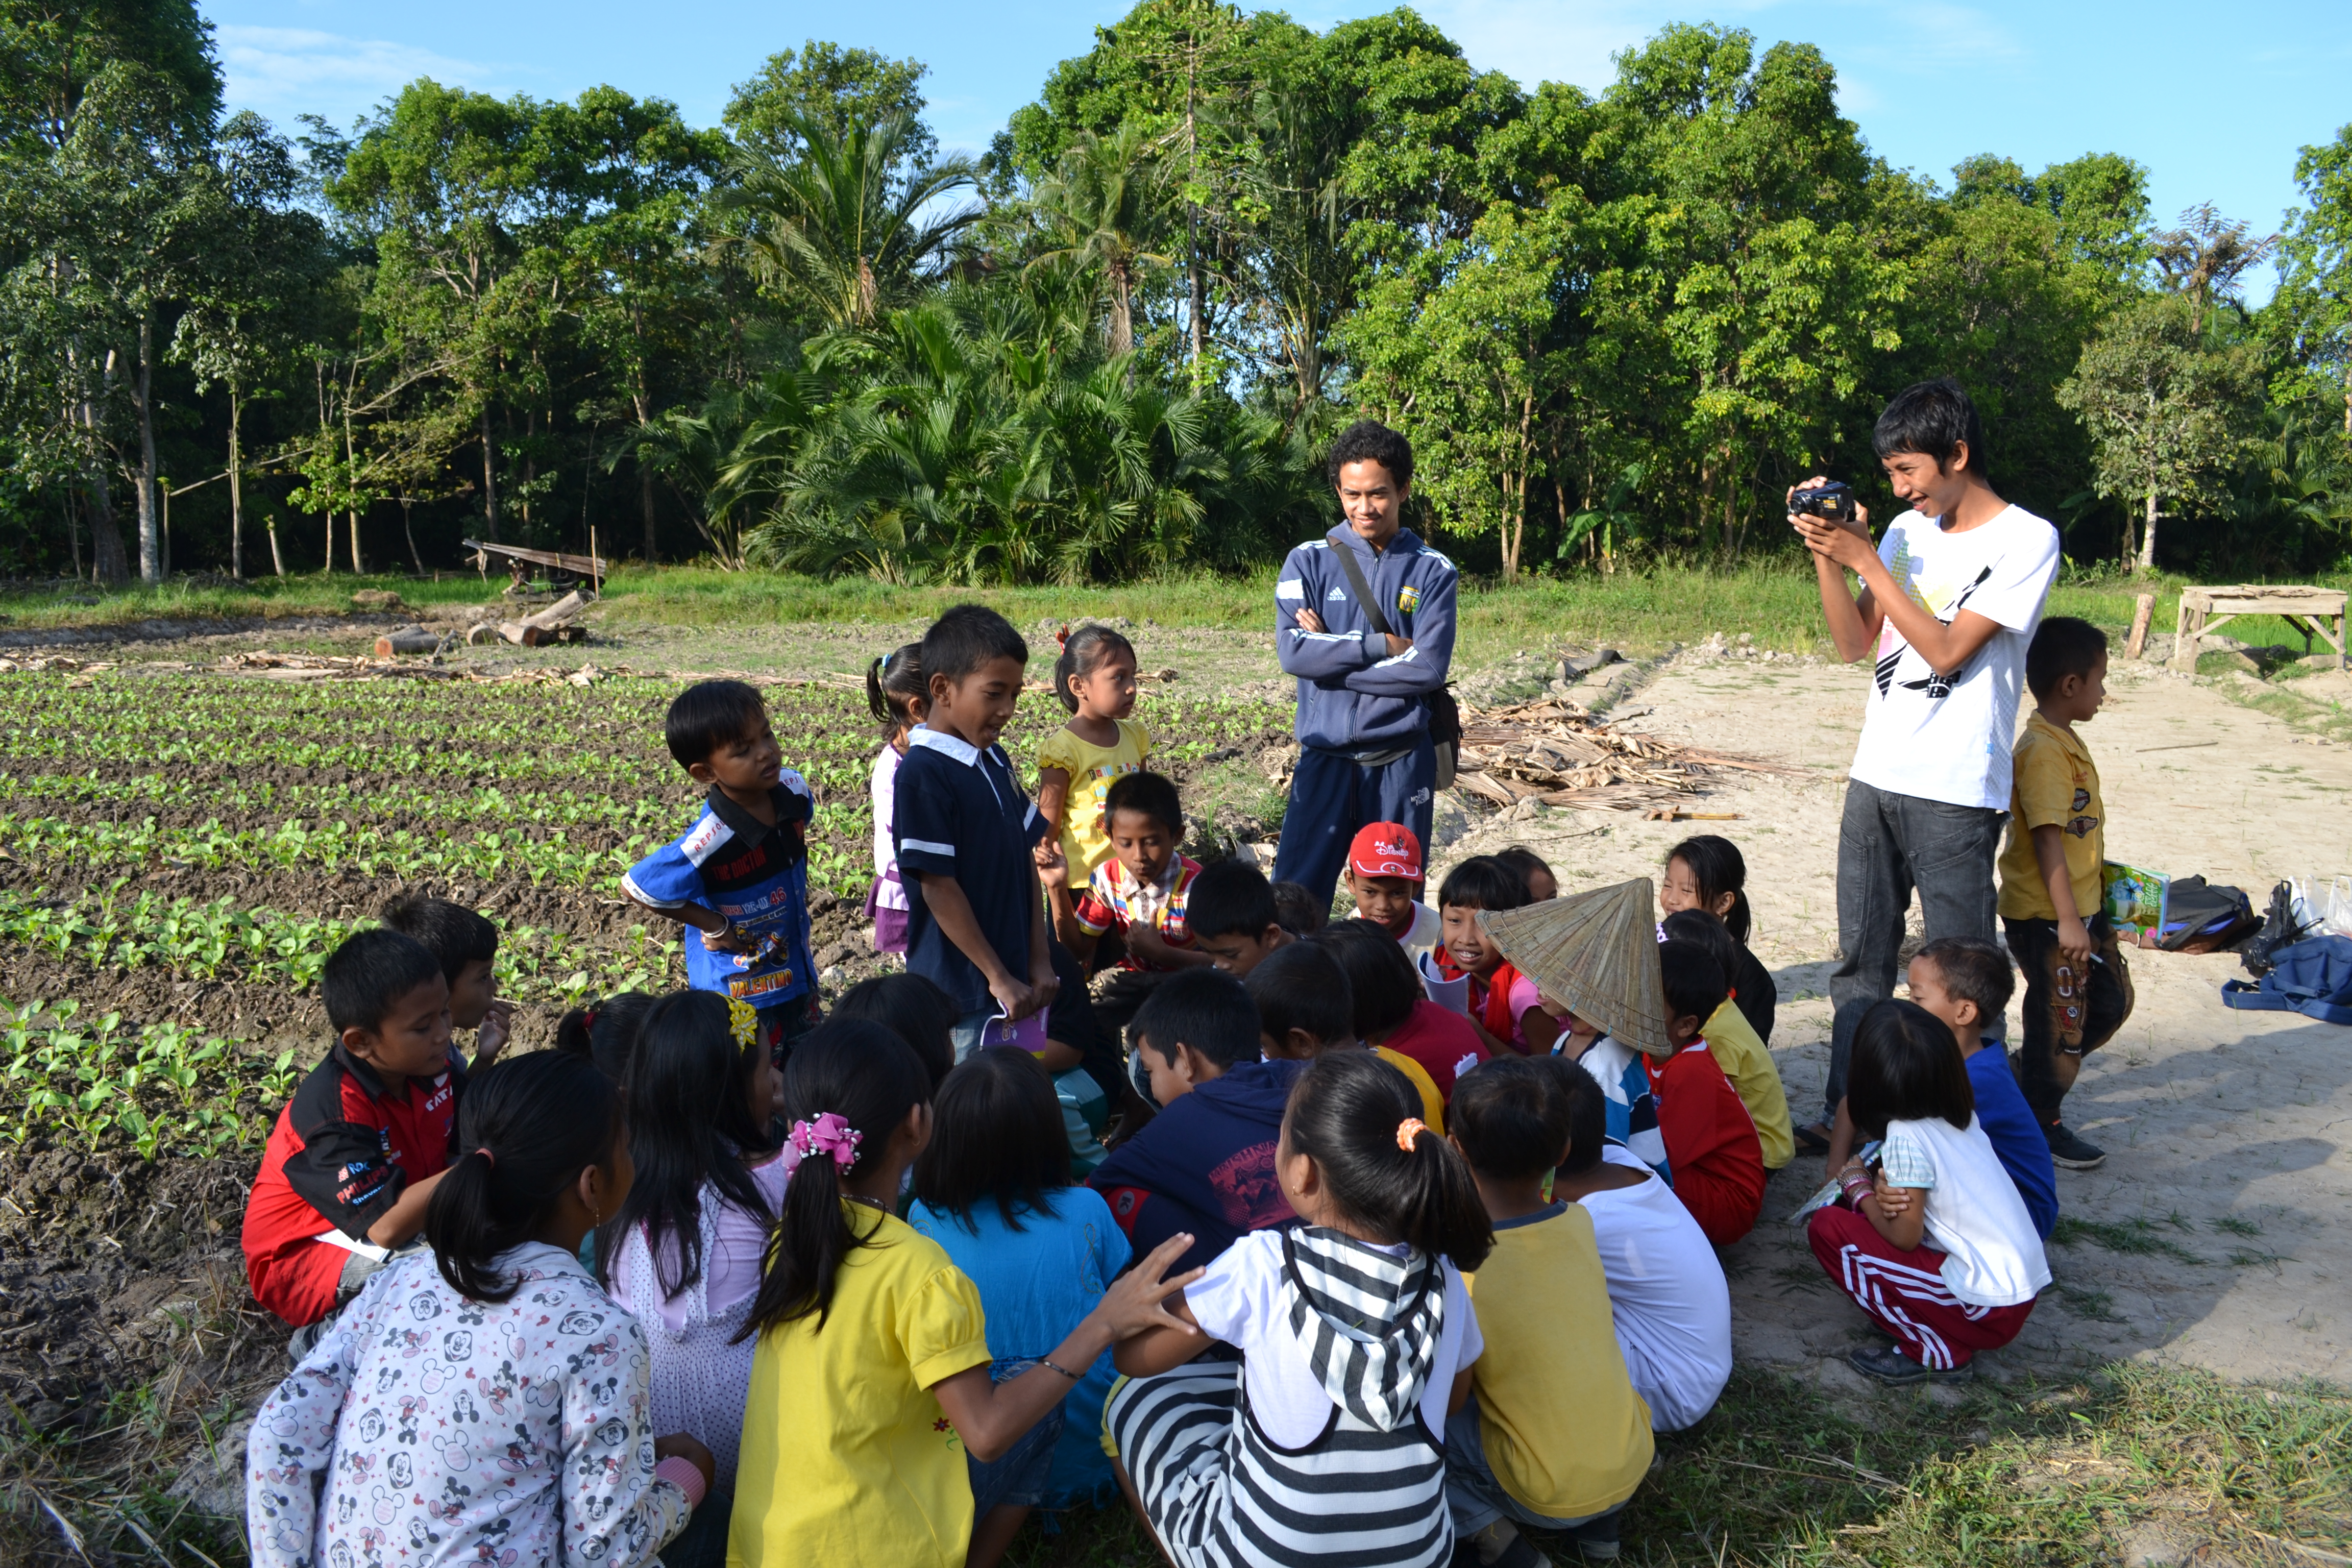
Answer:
(830, 1133)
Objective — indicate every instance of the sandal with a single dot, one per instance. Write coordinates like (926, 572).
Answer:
(1812, 1138)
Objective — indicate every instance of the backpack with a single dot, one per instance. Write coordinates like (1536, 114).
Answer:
(2313, 978)
(2200, 917)
(2281, 927)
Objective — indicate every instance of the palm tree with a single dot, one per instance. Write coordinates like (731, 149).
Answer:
(1103, 205)
(841, 227)
(2205, 257)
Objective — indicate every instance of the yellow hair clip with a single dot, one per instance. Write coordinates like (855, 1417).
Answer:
(742, 1022)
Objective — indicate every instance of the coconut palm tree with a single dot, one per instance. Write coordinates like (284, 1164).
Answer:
(1103, 207)
(840, 228)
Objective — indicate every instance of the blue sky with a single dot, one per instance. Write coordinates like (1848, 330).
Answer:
(2214, 101)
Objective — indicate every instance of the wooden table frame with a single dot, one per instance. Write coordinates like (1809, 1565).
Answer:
(2308, 610)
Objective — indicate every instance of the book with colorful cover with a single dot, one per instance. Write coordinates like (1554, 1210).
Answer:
(2135, 897)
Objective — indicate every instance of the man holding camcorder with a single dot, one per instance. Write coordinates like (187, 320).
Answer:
(1949, 600)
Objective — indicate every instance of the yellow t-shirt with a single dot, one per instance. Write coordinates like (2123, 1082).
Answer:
(1433, 1104)
(846, 1458)
(1092, 769)
(1731, 1041)
(1564, 1431)
(2055, 785)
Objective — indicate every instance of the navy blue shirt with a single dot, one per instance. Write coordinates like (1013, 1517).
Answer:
(961, 813)
(2016, 1136)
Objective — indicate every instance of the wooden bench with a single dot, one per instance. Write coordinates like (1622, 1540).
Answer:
(560, 567)
(2314, 612)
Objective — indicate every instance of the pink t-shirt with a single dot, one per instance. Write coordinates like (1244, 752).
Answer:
(1441, 1041)
(700, 1379)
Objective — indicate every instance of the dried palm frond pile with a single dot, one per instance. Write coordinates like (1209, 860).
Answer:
(1558, 754)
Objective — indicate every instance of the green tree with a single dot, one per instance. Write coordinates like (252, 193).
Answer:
(2165, 410)
(1102, 210)
(2314, 303)
(2204, 259)
(834, 87)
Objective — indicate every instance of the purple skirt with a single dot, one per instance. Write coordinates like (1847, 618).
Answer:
(889, 925)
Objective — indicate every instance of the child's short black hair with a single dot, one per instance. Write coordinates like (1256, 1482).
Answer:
(452, 932)
(1383, 979)
(966, 638)
(1147, 794)
(1483, 883)
(1526, 862)
(372, 970)
(1202, 1008)
(2061, 646)
(1230, 898)
(1297, 912)
(1932, 418)
(1510, 1118)
(1369, 440)
(1082, 653)
(1698, 926)
(1973, 970)
(706, 715)
(1302, 986)
(1695, 983)
(1587, 1109)
(913, 1008)
(996, 1136)
(1905, 1069)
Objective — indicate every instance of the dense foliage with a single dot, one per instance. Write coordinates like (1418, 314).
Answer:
(1614, 325)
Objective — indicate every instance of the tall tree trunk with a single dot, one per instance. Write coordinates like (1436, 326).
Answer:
(352, 462)
(1196, 284)
(151, 565)
(489, 480)
(1122, 313)
(530, 467)
(235, 488)
(408, 528)
(645, 475)
(73, 536)
(108, 561)
(277, 556)
(2147, 537)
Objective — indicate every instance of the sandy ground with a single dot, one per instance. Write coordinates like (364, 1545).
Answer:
(2229, 1133)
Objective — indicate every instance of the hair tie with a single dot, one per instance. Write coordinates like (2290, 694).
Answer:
(489, 1158)
(1411, 1127)
(588, 1020)
(744, 1023)
(829, 1133)
(1062, 637)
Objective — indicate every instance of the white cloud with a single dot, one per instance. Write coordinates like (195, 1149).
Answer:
(285, 72)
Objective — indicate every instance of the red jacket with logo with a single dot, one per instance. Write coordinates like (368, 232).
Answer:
(342, 1152)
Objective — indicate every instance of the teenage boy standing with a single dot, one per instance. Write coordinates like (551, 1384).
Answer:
(1949, 603)
(1365, 671)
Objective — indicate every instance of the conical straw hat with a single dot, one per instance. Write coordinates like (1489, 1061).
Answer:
(1597, 952)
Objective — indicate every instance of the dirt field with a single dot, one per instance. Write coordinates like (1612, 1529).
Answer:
(2214, 1233)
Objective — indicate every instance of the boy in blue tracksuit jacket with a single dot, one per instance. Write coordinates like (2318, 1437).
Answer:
(1363, 720)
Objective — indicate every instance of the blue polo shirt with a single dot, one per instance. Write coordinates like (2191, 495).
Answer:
(756, 876)
(961, 813)
(2015, 1135)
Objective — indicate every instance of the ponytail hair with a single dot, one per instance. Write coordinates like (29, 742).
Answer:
(1083, 652)
(1357, 1117)
(527, 1128)
(895, 688)
(690, 1124)
(1717, 866)
(605, 1032)
(865, 1076)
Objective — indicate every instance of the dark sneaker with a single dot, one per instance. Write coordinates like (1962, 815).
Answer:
(1596, 1539)
(1885, 1363)
(2067, 1150)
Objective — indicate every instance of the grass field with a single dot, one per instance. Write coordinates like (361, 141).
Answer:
(1775, 603)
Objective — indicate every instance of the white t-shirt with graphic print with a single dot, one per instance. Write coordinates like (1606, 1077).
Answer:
(1948, 737)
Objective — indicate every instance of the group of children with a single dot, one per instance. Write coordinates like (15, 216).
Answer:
(1320, 1240)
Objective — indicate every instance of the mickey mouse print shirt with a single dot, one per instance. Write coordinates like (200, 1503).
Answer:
(427, 1428)
(1946, 735)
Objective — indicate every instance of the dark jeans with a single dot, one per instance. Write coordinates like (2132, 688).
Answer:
(1890, 846)
(1332, 795)
(2106, 1003)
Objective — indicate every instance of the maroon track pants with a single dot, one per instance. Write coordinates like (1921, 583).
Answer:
(1906, 1292)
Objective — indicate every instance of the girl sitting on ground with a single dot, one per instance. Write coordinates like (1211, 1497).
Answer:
(484, 1399)
(1357, 1339)
(896, 692)
(992, 1188)
(1929, 1237)
(685, 1249)
(870, 1386)
(1502, 1003)
(1707, 872)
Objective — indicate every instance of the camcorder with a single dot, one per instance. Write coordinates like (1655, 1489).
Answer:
(1833, 502)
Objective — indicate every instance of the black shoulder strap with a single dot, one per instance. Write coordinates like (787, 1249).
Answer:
(1347, 554)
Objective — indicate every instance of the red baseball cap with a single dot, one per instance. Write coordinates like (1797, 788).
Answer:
(1385, 849)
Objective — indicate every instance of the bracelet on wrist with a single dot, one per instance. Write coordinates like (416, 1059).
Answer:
(1065, 1370)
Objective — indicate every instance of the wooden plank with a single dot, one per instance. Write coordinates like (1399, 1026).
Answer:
(2142, 612)
(555, 560)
